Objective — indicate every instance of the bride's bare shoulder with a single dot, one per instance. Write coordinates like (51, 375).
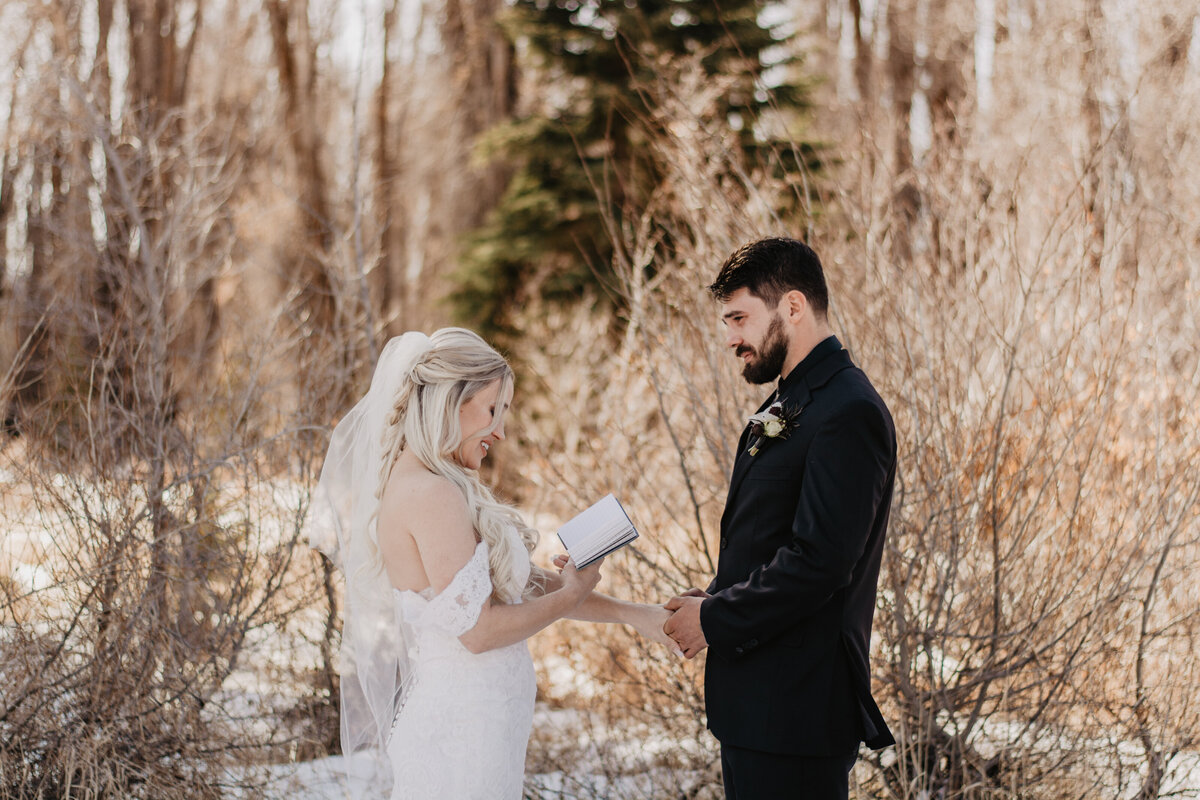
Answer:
(419, 486)
(423, 500)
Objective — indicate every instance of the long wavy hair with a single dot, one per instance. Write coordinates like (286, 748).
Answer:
(425, 420)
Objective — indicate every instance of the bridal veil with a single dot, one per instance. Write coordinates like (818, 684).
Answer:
(374, 658)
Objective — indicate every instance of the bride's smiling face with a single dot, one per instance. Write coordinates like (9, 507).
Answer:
(481, 419)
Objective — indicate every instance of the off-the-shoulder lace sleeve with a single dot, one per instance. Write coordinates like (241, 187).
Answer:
(456, 608)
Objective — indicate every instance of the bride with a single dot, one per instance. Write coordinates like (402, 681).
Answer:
(438, 686)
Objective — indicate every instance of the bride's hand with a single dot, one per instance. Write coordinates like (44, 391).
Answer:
(648, 621)
(580, 582)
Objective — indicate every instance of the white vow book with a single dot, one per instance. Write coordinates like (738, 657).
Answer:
(597, 531)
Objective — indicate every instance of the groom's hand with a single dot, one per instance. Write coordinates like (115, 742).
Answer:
(684, 624)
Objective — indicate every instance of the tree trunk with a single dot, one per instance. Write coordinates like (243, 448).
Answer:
(901, 72)
(949, 51)
(389, 271)
(295, 63)
(301, 121)
(7, 174)
(486, 83)
(862, 56)
(1092, 185)
(323, 360)
(32, 346)
(484, 86)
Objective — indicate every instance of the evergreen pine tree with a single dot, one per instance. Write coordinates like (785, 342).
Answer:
(579, 146)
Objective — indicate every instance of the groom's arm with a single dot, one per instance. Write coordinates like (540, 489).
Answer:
(846, 472)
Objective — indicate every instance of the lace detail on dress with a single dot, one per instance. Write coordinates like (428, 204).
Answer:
(456, 608)
(462, 732)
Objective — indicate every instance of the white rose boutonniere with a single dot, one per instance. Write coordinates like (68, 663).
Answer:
(774, 423)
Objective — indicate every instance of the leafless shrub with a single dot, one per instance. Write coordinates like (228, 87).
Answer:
(152, 499)
(1036, 630)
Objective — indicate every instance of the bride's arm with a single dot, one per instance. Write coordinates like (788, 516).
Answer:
(500, 625)
(646, 618)
(435, 513)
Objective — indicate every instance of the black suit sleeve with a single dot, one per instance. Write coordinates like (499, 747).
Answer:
(846, 472)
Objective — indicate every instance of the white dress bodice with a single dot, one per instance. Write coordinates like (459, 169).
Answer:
(465, 717)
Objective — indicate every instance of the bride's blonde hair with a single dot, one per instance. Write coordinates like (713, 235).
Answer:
(425, 420)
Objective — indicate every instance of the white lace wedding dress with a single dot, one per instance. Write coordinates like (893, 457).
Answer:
(465, 719)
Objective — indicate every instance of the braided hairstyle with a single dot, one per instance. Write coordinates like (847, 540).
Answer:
(425, 420)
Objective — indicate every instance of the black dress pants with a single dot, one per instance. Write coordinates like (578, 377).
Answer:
(754, 775)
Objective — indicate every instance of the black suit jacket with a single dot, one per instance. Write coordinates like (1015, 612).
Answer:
(789, 620)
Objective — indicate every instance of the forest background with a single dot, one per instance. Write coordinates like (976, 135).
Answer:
(212, 215)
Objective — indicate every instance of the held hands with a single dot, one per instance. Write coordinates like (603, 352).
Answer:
(675, 625)
(645, 618)
(684, 625)
(648, 620)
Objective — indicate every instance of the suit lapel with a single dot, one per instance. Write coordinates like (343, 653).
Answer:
(742, 462)
(798, 395)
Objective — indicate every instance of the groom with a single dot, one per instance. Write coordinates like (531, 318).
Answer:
(787, 619)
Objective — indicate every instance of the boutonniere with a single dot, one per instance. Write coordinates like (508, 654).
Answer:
(775, 423)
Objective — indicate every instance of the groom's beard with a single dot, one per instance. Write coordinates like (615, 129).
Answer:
(766, 361)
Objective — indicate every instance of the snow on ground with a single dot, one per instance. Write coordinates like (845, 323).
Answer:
(310, 780)
(325, 780)
(322, 779)
(605, 761)
(593, 753)
(1183, 779)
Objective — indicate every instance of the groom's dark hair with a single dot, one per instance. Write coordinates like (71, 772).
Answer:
(769, 269)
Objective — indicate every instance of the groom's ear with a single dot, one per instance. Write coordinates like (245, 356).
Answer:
(796, 305)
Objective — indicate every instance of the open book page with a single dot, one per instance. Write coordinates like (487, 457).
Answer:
(594, 533)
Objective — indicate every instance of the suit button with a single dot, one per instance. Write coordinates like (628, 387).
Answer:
(738, 650)
(724, 543)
